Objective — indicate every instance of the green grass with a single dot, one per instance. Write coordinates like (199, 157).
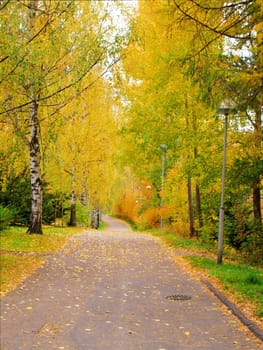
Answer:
(244, 281)
(180, 242)
(17, 239)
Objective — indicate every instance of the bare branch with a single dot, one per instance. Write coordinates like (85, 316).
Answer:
(223, 31)
(225, 6)
(4, 5)
(59, 90)
(86, 87)
(4, 58)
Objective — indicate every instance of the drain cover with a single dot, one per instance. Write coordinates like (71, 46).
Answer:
(178, 297)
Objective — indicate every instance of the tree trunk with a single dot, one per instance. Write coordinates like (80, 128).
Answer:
(257, 183)
(198, 206)
(73, 216)
(35, 225)
(190, 207)
(198, 196)
(257, 201)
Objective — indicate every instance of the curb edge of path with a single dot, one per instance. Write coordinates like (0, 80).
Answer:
(248, 323)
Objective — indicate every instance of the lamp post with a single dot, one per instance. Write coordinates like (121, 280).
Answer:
(163, 148)
(224, 109)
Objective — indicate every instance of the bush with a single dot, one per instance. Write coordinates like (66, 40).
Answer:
(7, 216)
(83, 214)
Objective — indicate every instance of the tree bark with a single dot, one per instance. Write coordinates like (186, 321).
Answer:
(257, 183)
(190, 207)
(198, 195)
(73, 216)
(198, 206)
(35, 225)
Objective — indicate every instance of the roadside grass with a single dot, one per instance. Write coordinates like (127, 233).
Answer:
(244, 281)
(20, 252)
(102, 225)
(14, 269)
(238, 279)
(182, 242)
(18, 240)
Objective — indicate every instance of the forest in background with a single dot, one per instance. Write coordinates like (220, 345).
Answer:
(86, 104)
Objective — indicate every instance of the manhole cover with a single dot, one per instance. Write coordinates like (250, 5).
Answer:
(178, 297)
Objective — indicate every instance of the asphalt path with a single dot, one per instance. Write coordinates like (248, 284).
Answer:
(114, 224)
(117, 290)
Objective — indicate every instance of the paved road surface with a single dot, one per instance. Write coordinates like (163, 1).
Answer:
(115, 224)
(114, 291)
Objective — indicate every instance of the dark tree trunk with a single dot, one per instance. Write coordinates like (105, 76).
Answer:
(198, 206)
(190, 207)
(198, 198)
(257, 201)
(257, 183)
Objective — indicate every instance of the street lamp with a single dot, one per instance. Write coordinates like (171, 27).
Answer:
(224, 109)
(164, 149)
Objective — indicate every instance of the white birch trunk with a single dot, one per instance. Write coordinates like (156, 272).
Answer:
(35, 225)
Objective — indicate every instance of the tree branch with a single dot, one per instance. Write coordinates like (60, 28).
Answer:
(4, 5)
(222, 32)
(67, 86)
(226, 6)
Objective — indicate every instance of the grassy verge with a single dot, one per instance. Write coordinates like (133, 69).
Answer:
(182, 242)
(16, 239)
(14, 269)
(243, 282)
(13, 241)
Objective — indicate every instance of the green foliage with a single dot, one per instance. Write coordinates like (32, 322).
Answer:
(7, 216)
(17, 195)
(83, 214)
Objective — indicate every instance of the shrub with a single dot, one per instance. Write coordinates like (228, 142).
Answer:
(7, 215)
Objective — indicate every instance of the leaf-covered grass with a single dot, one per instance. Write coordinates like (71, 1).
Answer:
(15, 240)
(14, 269)
(245, 281)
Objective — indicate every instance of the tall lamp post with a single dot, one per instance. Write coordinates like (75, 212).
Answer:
(164, 149)
(224, 109)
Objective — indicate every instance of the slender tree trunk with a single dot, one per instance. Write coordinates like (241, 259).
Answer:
(190, 207)
(35, 225)
(256, 199)
(198, 197)
(257, 183)
(73, 216)
(198, 206)
(189, 183)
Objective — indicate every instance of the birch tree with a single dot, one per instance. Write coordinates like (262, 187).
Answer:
(48, 49)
